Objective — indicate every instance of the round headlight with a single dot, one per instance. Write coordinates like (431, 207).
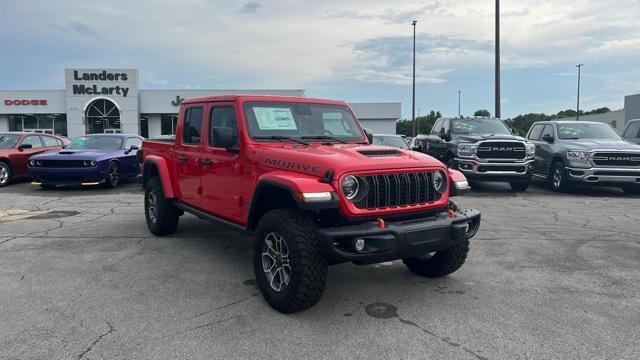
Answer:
(85, 163)
(32, 163)
(439, 182)
(94, 163)
(39, 162)
(350, 187)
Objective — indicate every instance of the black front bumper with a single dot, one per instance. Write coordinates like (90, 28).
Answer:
(399, 239)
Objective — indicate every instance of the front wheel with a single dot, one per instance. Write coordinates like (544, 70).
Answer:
(112, 178)
(558, 178)
(5, 174)
(290, 267)
(519, 185)
(162, 217)
(441, 263)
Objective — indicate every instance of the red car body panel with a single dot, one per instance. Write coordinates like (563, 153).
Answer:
(17, 158)
(226, 189)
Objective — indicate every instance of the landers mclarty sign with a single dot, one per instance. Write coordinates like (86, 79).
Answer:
(94, 89)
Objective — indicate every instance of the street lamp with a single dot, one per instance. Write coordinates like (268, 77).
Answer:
(459, 92)
(497, 59)
(413, 101)
(579, 66)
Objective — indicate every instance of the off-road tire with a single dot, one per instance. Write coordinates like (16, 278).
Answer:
(519, 185)
(308, 263)
(166, 214)
(5, 168)
(108, 182)
(563, 185)
(441, 263)
(631, 190)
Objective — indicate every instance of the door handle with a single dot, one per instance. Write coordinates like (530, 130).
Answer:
(207, 162)
(182, 158)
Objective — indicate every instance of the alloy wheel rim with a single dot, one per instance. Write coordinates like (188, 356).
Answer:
(152, 210)
(275, 261)
(114, 177)
(557, 178)
(4, 174)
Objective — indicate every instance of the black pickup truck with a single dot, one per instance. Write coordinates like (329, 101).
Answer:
(584, 152)
(483, 148)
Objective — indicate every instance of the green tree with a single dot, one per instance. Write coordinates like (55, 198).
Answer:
(423, 124)
(482, 112)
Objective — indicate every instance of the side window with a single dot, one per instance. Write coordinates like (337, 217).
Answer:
(548, 130)
(222, 117)
(447, 126)
(133, 141)
(633, 131)
(33, 140)
(436, 127)
(535, 133)
(192, 126)
(50, 141)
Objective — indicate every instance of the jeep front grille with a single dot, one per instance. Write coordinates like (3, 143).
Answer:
(616, 159)
(403, 189)
(502, 150)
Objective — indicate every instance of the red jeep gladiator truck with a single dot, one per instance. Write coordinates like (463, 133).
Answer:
(301, 175)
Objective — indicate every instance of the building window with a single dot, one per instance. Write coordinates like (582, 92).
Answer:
(168, 124)
(102, 116)
(39, 123)
(144, 126)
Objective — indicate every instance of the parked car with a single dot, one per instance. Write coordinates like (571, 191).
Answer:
(585, 152)
(300, 175)
(17, 147)
(483, 148)
(395, 141)
(105, 159)
(632, 131)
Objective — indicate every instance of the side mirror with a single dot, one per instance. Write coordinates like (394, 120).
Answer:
(548, 138)
(132, 148)
(25, 146)
(445, 136)
(223, 137)
(369, 136)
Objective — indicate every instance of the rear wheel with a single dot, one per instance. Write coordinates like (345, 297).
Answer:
(441, 263)
(631, 189)
(112, 178)
(519, 185)
(290, 268)
(162, 217)
(5, 174)
(558, 177)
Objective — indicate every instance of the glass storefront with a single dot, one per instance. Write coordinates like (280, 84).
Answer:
(40, 123)
(102, 116)
(168, 124)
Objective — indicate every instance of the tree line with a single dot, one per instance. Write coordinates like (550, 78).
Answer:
(520, 123)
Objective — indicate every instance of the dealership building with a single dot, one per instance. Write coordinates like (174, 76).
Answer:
(111, 101)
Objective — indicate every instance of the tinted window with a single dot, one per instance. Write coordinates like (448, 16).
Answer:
(8, 141)
(133, 141)
(446, 125)
(50, 141)
(33, 140)
(536, 131)
(97, 142)
(192, 126)
(633, 131)
(222, 117)
(548, 131)
(585, 130)
(436, 127)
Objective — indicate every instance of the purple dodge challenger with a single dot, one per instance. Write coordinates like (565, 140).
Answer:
(89, 160)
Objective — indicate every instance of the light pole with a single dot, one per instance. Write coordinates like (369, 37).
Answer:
(413, 101)
(459, 92)
(579, 66)
(497, 112)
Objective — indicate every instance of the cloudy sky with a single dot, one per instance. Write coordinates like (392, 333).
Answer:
(355, 50)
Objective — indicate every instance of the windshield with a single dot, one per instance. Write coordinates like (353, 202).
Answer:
(300, 121)
(388, 140)
(96, 143)
(8, 141)
(479, 126)
(587, 131)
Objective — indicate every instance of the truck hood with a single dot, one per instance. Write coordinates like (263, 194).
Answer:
(594, 144)
(482, 137)
(68, 154)
(316, 158)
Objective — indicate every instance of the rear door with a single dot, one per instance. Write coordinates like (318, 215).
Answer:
(221, 167)
(188, 152)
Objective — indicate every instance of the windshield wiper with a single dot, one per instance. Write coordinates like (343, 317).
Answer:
(280, 137)
(323, 137)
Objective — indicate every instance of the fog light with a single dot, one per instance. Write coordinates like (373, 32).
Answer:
(359, 244)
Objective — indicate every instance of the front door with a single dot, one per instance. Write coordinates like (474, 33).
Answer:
(188, 154)
(19, 159)
(222, 169)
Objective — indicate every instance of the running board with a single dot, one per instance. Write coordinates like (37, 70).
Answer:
(540, 176)
(204, 216)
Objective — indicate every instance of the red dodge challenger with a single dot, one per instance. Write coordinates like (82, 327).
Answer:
(17, 147)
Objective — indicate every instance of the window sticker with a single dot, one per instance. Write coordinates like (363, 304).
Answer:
(331, 116)
(274, 118)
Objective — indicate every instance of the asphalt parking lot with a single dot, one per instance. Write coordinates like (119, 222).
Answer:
(549, 276)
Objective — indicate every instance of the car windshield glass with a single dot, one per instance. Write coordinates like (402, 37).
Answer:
(479, 126)
(587, 131)
(394, 141)
(96, 143)
(301, 121)
(8, 141)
